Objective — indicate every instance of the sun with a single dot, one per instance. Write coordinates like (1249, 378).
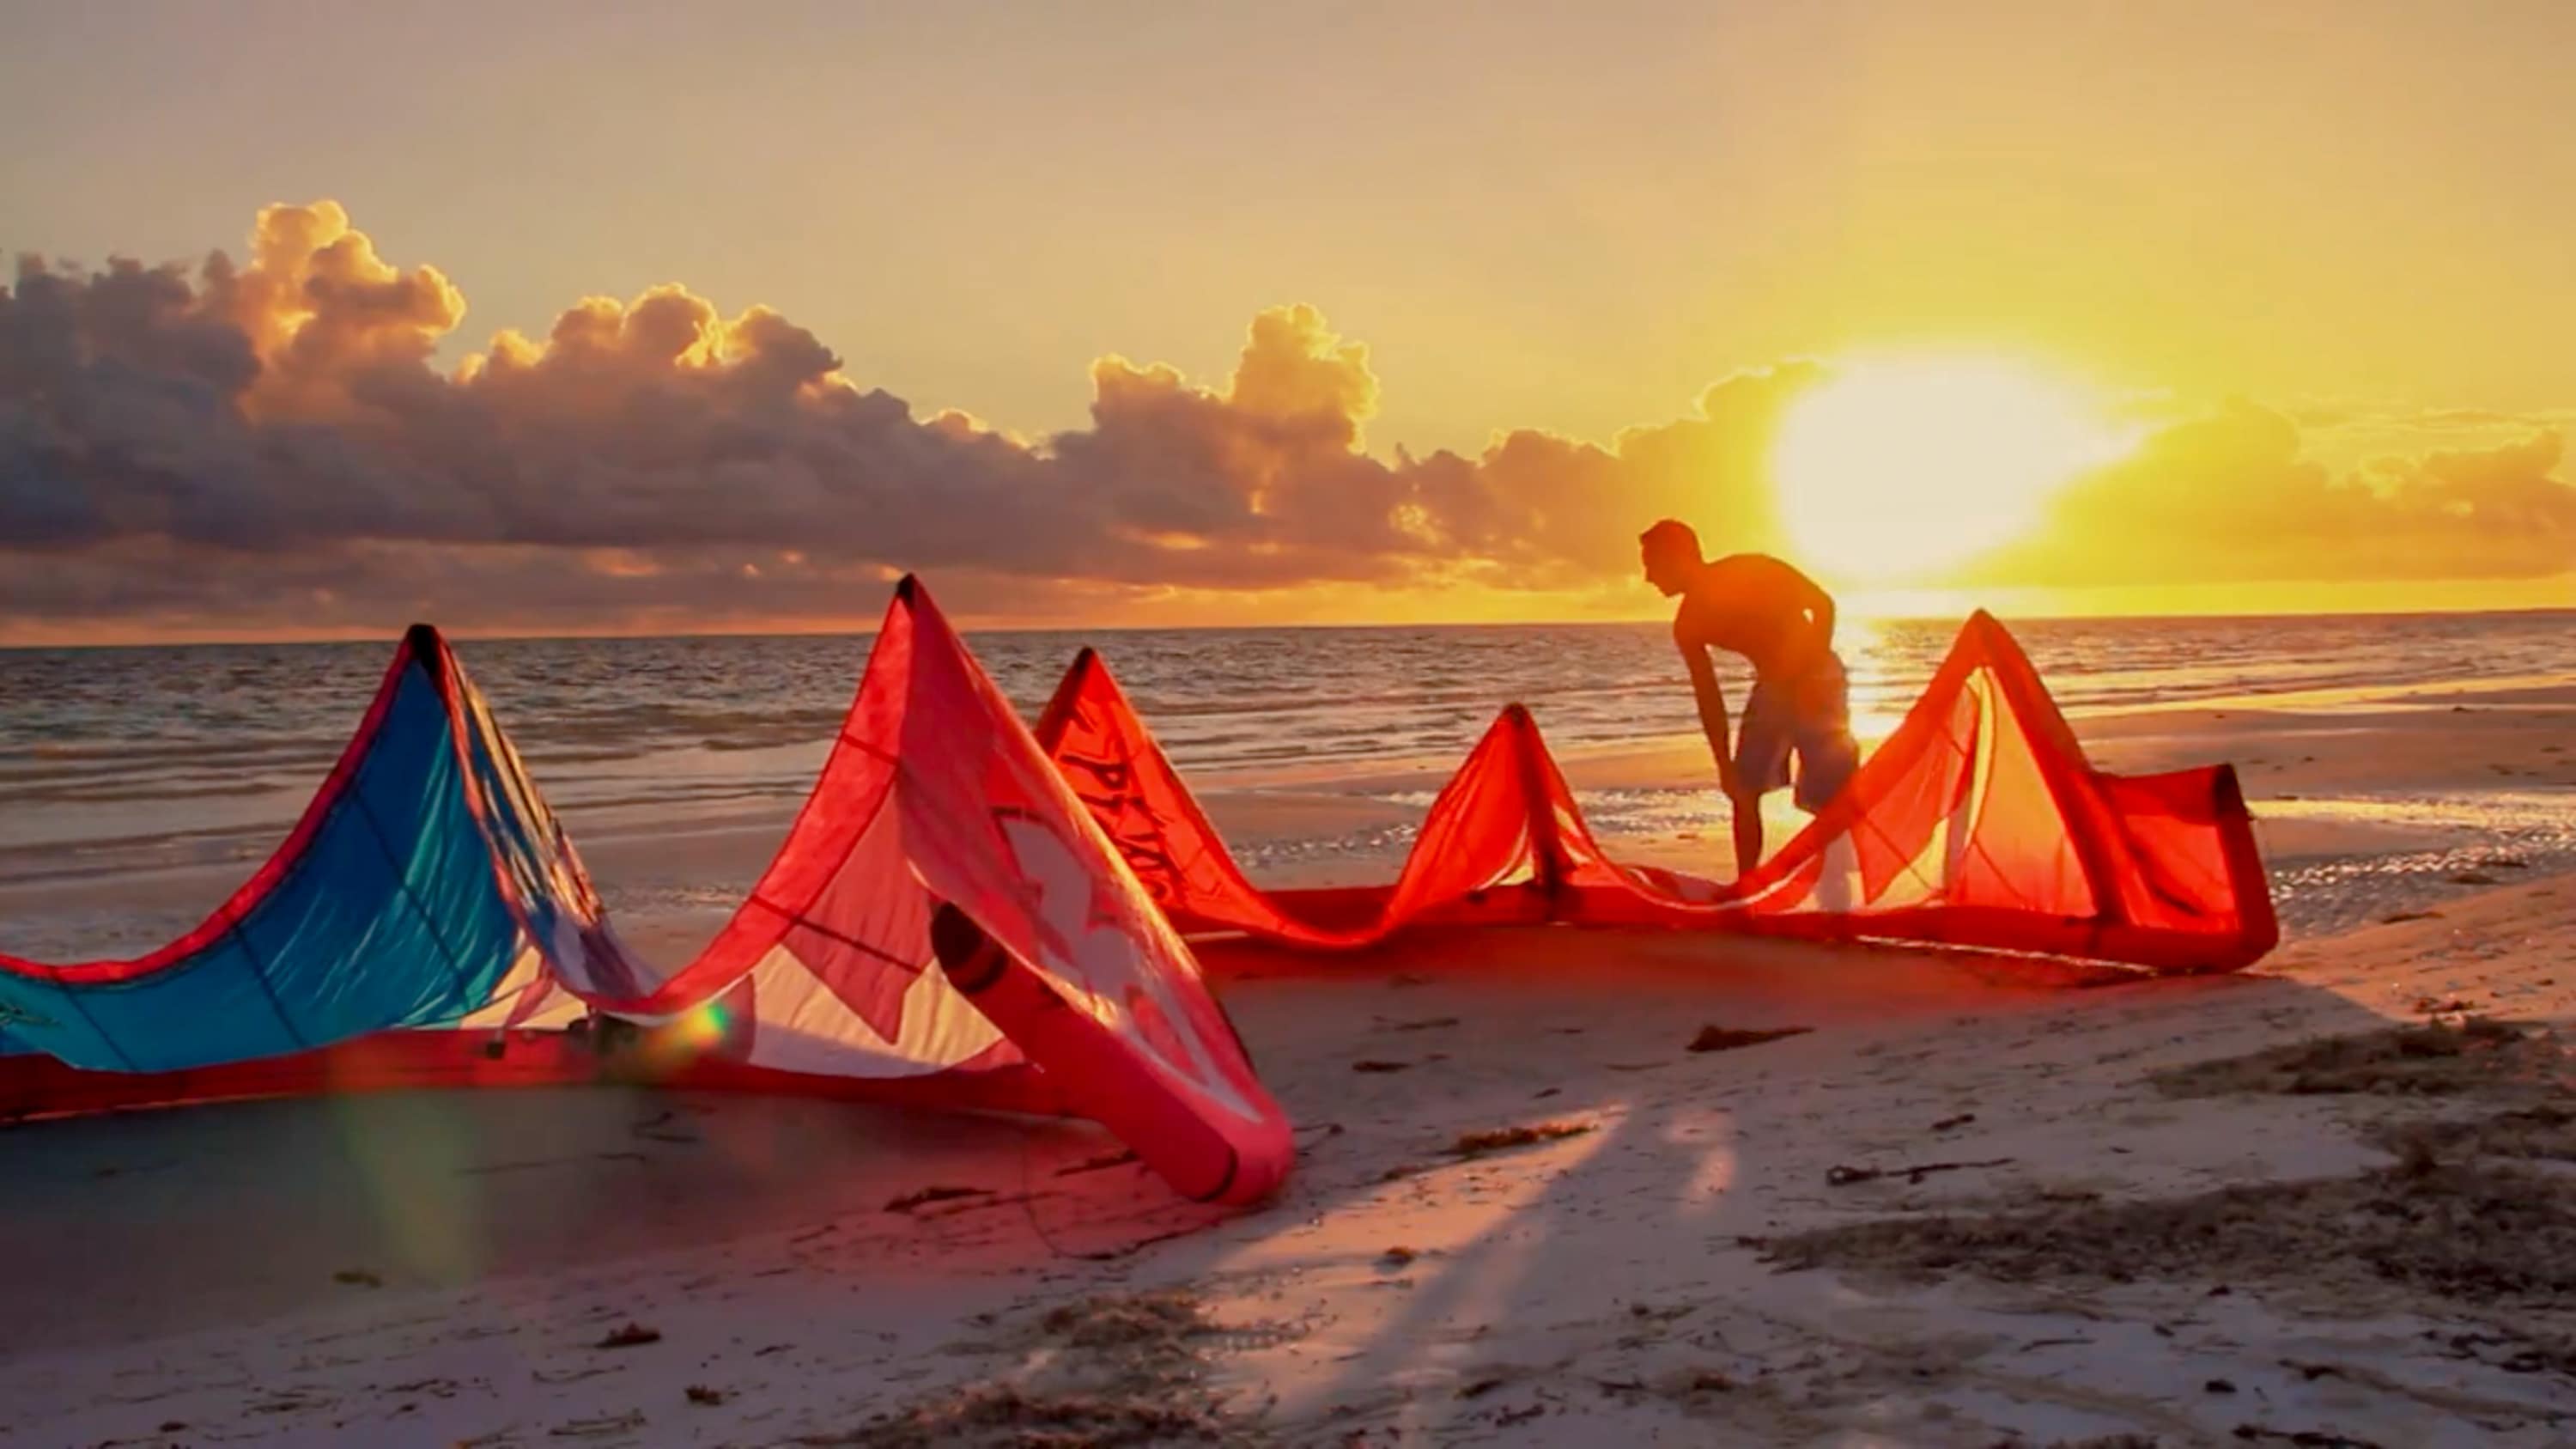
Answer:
(1897, 469)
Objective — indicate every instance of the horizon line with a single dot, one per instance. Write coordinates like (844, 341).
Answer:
(505, 635)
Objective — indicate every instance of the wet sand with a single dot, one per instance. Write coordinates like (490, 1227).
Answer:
(1696, 1250)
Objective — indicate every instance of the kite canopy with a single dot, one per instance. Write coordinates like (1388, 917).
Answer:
(428, 888)
(1978, 823)
(412, 893)
(962, 915)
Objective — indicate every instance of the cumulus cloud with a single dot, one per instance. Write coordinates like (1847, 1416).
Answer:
(2234, 497)
(272, 439)
(163, 427)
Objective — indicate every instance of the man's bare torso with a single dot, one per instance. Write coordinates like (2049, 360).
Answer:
(1752, 605)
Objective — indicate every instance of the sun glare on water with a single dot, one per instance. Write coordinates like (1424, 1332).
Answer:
(1900, 468)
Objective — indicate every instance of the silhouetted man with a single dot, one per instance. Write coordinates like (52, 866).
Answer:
(1754, 605)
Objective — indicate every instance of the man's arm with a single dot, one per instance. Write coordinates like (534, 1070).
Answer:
(1819, 607)
(1712, 706)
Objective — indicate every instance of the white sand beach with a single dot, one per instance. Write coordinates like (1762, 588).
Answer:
(2071, 1247)
(632, 609)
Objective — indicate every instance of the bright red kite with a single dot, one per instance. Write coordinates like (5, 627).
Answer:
(1977, 823)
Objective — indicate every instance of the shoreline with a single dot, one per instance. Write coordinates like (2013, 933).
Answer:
(2366, 807)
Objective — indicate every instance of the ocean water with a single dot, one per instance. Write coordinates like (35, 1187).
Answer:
(122, 757)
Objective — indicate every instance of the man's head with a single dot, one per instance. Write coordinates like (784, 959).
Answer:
(1671, 554)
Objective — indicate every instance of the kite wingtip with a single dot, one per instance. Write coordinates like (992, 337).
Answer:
(2227, 792)
(908, 588)
(423, 639)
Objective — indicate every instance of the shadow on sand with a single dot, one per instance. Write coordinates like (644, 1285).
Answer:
(1552, 1281)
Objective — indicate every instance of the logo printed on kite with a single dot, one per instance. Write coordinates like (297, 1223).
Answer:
(1128, 821)
(1092, 940)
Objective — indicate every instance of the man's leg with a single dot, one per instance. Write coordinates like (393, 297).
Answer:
(1827, 756)
(1822, 738)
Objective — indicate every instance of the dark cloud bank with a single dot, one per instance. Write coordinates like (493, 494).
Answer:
(268, 442)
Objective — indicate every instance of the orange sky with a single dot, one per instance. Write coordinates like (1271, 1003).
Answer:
(2217, 309)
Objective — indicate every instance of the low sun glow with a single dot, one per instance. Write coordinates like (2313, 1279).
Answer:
(1900, 468)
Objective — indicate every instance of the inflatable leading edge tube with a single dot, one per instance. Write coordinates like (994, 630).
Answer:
(1099, 1075)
